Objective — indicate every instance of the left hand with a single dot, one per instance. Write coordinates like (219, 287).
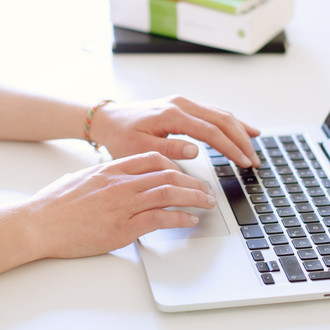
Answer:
(127, 129)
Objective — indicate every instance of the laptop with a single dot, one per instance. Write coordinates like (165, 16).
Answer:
(267, 239)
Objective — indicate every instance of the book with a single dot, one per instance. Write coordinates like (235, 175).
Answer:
(130, 41)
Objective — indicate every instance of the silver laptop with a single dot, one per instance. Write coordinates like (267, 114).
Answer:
(266, 241)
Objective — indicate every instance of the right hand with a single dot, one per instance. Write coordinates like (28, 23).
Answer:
(108, 206)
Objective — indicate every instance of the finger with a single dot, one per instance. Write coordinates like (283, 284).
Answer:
(145, 163)
(253, 132)
(148, 221)
(149, 181)
(168, 195)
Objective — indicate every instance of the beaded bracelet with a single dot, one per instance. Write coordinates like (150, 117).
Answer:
(89, 121)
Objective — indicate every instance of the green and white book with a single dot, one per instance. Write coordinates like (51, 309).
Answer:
(229, 6)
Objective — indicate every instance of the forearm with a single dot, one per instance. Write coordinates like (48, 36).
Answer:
(17, 238)
(28, 117)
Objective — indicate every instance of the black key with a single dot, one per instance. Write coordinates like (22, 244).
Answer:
(324, 250)
(280, 202)
(310, 155)
(263, 208)
(252, 232)
(238, 202)
(279, 161)
(275, 192)
(289, 147)
(275, 153)
(301, 243)
(265, 174)
(305, 173)
(320, 239)
(326, 261)
(326, 183)
(300, 164)
(315, 192)
(264, 165)
(249, 180)
(268, 218)
(315, 228)
(271, 183)
(267, 278)
(257, 244)
(269, 142)
(309, 217)
(321, 174)
(283, 250)
(246, 171)
(273, 266)
(283, 170)
(287, 179)
(313, 265)
(257, 255)
(326, 221)
(305, 146)
(307, 254)
(296, 232)
(295, 155)
(316, 164)
(290, 222)
(262, 267)
(273, 229)
(285, 212)
(316, 276)
(278, 240)
(304, 208)
(258, 199)
(298, 198)
(260, 155)
(301, 138)
(225, 170)
(293, 188)
(219, 161)
(286, 139)
(310, 182)
(292, 269)
(253, 189)
(324, 211)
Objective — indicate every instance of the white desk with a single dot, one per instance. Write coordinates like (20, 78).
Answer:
(41, 49)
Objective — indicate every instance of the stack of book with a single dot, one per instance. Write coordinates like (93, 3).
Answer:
(242, 26)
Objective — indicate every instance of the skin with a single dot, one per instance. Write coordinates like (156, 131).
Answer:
(108, 206)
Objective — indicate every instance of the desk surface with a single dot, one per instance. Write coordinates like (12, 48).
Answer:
(56, 48)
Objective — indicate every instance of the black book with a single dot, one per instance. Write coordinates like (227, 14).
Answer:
(129, 41)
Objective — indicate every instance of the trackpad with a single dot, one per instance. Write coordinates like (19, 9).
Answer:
(211, 224)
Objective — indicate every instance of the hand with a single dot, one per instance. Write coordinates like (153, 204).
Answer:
(108, 206)
(140, 127)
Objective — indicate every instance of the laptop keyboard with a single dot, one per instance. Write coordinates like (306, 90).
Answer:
(283, 205)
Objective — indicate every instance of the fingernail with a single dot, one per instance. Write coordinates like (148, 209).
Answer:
(194, 219)
(246, 162)
(211, 199)
(256, 161)
(190, 151)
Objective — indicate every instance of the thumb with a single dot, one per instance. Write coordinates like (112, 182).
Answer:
(176, 148)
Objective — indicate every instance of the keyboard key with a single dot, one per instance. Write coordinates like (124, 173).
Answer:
(245, 171)
(310, 182)
(304, 208)
(275, 153)
(296, 232)
(275, 192)
(298, 198)
(307, 254)
(263, 208)
(273, 229)
(268, 218)
(264, 165)
(321, 174)
(326, 221)
(253, 189)
(295, 155)
(290, 222)
(225, 170)
(267, 278)
(309, 217)
(313, 265)
(285, 212)
(283, 250)
(252, 232)
(286, 179)
(257, 244)
(255, 144)
(310, 155)
(269, 142)
(249, 180)
(316, 164)
(293, 188)
(300, 164)
(278, 239)
(305, 173)
(326, 183)
(271, 183)
(286, 139)
(283, 170)
(315, 192)
(316, 276)
(315, 228)
(265, 174)
(238, 202)
(324, 250)
(326, 261)
(257, 255)
(289, 147)
(324, 211)
(280, 202)
(273, 266)
(320, 239)
(258, 199)
(279, 161)
(301, 243)
(292, 269)
(263, 267)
